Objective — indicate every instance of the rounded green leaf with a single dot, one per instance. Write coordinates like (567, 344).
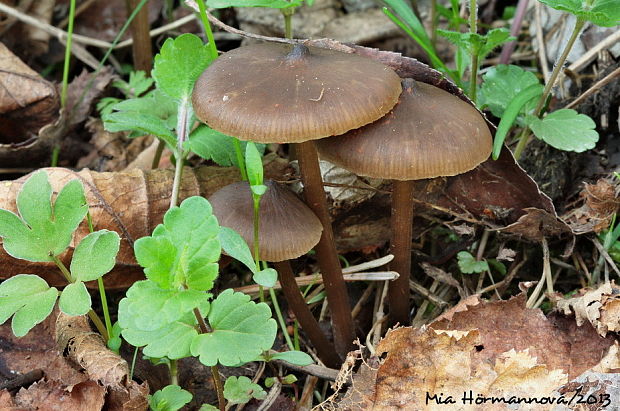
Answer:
(95, 255)
(567, 130)
(240, 390)
(242, 330)
(501, 84)
(170, 398)
(266, 278)
(75, 299)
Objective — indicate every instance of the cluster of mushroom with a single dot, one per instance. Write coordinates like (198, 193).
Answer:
(364, 119)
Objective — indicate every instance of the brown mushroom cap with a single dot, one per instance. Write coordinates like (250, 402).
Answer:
(429, 133)
(287, 230)
(276, 93)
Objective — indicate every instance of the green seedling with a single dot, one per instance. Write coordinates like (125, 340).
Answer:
(469, 265)
(240, 390)
(169, 398)
(137, 86)
(41, 233)
(563, 129)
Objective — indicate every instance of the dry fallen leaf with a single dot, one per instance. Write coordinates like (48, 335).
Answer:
(600, 307)
(600, 203)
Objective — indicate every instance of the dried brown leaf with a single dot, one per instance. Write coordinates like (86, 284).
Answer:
(503, 325)
(599, 307)
(599, 203)
(53, 396)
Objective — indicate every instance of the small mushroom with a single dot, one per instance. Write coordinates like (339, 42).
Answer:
(429, 133)
(295, 94)
(288, 229)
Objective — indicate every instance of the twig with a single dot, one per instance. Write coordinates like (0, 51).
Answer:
(424, 292)
(595, 88)
(591, 54)
(606, 256)
(542, 51)
(517, 23)
(325, 373)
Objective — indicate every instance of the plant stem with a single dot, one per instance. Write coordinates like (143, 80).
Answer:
(184, 115)
(240, 159)
(326, 252)
(102, 296)
(288, 21)
(65, 71)
(215, 373)
(559, 64)
(276, 308)
(142, 49)
(256, 229)
(174, 372)
(207, 28)
(433, 23)
(308, 322)
(473, 28)
(400, 242)
(524, 137)
(158, 152)
(133, 362)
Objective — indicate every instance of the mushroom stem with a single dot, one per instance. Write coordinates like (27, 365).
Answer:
(327, 256)
(324, 348)
(402, 218)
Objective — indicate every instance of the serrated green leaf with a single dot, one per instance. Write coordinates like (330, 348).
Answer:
(242, 330)
(240, 390)
(95, 255)
(170, 398)
(272, 4)
(604, 13)
(567, 130)
(480, 44)
(469, 265)
(235, 246)
(29, 299)
(43, 231)
(147, 307)
(142, 122)
(266, 278)
(253, 165)
(75, 299)
(137, 85)
(185, 249)
(501, 84)
(293, 357)
(178, 65)
(495, 38)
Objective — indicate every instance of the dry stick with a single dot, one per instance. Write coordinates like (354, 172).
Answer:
(326, 253)
(142, 49)
(309, 324)
(401, 221)
(595, 88)
(542, 49)
(591, 54)
(517, 23)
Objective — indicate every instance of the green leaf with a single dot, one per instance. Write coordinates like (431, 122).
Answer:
(604, 13)
(501, 84)
(115, 341)
(138, 84)
(235, 246)
(29, 299)
(208, 407)
(179, 63)
(147, 307)
(242, 330)
(494, 38)
(95, 255)
(497, 265)
(272, 4)
(75, 299)
(154, 113)
(170, 398)
(213, 145)
(567, 130)
(293, 357)
(469, 265)
(184, 250)
(476, 43)
(240, 390)
(529, 94)
(258, 190)
(266, 278)
(253, 165)
(43, 231)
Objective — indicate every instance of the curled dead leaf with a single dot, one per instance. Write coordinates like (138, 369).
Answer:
(599, 307)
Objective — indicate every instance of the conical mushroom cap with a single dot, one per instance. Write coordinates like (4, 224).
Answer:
(276, 93)
(429, 133)
(287, 230)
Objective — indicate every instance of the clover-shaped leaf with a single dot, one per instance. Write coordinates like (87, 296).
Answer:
(502, 83)
(469, 265)
(240, 390)
(170, 398)
(242, 330)
(75, 299)
(604, 13)
(184, 250)
(44, 230)
(148, 307)
(566, 129)
(29, 299)
(95, 255)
